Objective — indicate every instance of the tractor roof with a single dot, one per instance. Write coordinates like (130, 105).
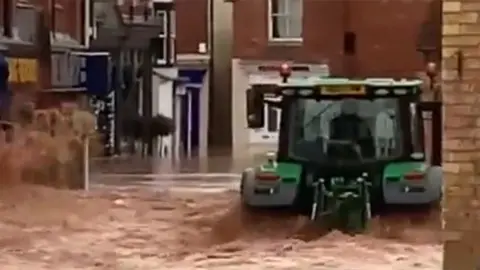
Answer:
(373, 82)
(317, 87)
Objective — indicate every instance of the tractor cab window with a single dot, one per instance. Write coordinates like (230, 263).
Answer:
(344, 129)
(421, 131)
(417, 129)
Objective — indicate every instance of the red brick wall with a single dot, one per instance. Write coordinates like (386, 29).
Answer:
(388, 30)
(192, 17)
(460, 152)
(2, 6)
(387, 35)
(68, 18)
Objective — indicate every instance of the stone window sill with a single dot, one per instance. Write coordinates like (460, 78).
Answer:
(24, 4)
(285, 43)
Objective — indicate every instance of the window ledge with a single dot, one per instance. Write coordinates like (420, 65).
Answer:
(58, 7)
(24, 4)
(285, 42)
(13, 41)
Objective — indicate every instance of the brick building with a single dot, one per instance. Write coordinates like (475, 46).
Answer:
(204, 42)
(193, 50)
(461, 93)
(30, 44)
(340, 38)
(176, 83)
(191, 26)
(199, 26)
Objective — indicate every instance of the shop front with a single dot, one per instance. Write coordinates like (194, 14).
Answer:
(24, 78)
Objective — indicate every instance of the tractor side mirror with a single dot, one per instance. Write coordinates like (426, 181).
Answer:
(255, 109)
(271, 157)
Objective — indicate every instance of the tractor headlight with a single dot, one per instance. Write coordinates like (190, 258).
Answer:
(305, 92)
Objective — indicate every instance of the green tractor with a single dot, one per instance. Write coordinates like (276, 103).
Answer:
(346, 147)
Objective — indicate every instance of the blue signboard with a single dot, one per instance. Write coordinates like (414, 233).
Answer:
(98, 71)
(95, 77)
(193, 76)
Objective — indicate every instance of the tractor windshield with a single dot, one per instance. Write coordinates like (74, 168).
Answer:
(347, 129)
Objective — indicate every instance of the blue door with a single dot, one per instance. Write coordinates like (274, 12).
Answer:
(190, 111)
(190, 121)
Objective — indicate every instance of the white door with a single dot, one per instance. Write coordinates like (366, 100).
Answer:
(268, 134)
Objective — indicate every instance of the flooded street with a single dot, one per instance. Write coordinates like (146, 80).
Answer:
(191, 220)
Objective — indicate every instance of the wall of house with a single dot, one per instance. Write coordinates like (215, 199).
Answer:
(2, 8)
(461, 32)
(192, 25)
(67, 19)
(386, 30)
(196, 20)
(220, 128)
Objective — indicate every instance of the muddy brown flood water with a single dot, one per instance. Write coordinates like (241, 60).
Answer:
(145, 228)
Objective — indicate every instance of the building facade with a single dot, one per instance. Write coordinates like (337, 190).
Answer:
(42, 33)
(179, 76)
(139, 38)
(204, 38)
(325, 38)
(176, 83)
(461, 92)
(193, 60)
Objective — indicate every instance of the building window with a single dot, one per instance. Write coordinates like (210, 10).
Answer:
(161, 42)
(285, 20)
(165, 45)
(25, 23)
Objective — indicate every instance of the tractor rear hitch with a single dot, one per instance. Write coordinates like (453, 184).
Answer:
(344, 207)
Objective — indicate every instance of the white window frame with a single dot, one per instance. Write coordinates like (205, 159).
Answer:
(270, 25)
(172, 36)
(163, 15)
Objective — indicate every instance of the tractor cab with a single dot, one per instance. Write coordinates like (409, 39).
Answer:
(345, 146)
(331, 120)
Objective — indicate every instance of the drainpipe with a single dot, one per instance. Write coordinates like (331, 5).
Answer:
(348, 62)
(211, 76)
(119, 115)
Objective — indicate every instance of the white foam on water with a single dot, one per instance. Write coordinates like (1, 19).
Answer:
(198, 184)
(199, 190)
(171, 175)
